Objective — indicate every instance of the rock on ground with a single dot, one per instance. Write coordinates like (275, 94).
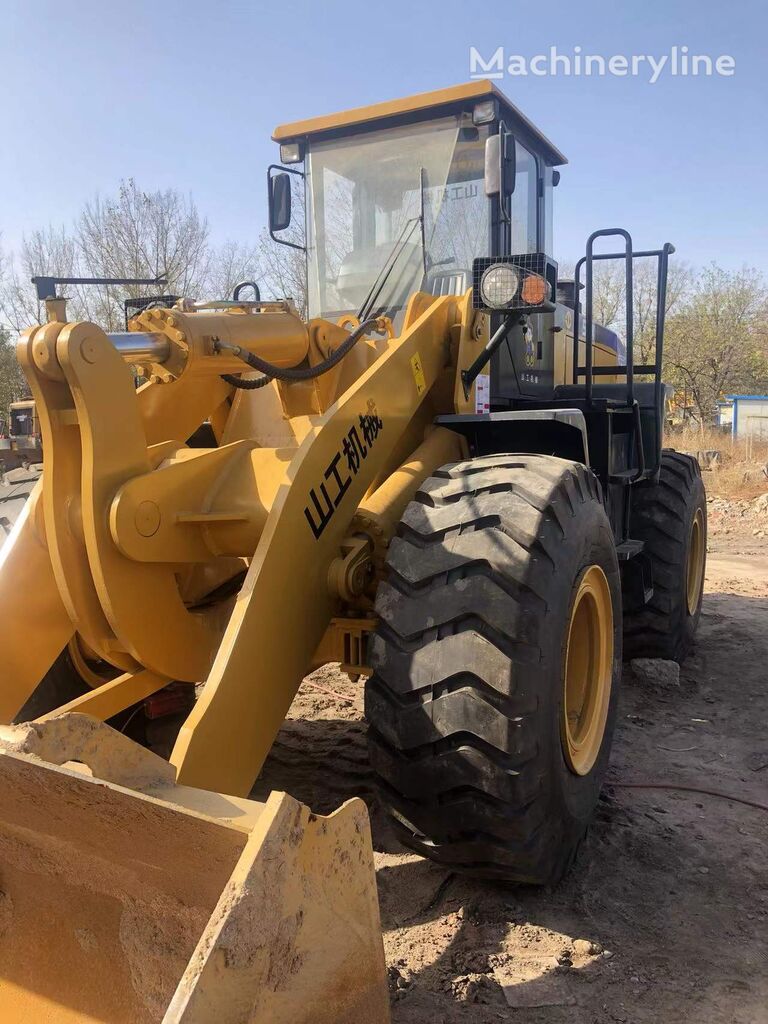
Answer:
(656, 672)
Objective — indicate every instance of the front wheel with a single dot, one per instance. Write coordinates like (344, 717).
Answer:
(496, 666)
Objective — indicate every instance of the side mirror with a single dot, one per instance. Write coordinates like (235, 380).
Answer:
(500, 163)
(279, 202)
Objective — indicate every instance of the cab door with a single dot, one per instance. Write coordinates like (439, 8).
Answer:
(525, 367)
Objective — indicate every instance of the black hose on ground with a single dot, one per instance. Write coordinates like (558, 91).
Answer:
(688, 789)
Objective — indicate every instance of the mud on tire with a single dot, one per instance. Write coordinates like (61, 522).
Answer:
(464, 705)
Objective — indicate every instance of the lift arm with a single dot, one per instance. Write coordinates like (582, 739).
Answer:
(134, 520)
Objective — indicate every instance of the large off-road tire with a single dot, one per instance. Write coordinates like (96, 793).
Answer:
(670, 516)
(496, 665)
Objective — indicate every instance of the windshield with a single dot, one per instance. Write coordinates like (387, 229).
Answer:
(366, 195)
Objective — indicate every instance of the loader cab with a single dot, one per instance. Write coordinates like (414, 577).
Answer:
(404, 196)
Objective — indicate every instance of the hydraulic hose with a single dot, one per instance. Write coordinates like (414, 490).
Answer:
(245, 385)
(290, 373)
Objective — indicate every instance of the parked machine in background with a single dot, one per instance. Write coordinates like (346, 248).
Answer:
(24, 430)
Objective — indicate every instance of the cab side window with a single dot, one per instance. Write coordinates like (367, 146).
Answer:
(524, 203)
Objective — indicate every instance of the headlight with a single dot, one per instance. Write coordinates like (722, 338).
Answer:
(499, 285)
(524, 283)
(291, 152)
(484, 112)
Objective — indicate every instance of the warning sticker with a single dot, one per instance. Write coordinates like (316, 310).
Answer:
(483, 393)
(418, 373)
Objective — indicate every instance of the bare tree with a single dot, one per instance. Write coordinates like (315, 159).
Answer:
(607, 293)
(142, 234)
(717, 341)
(132, 234)
(44, 252)
(228, 265)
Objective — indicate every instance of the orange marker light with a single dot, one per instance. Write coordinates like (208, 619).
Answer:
(534, 290)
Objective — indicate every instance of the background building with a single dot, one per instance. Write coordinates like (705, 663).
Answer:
(747, 415)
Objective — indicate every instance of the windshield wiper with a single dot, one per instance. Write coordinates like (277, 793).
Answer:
(423, 219)
(400, 243)
(381, 278)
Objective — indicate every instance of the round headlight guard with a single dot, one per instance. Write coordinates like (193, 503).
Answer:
(499, 285)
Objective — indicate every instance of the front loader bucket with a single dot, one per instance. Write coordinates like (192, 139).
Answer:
(124, 897)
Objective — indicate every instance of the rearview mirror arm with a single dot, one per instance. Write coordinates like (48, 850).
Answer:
(506, 138)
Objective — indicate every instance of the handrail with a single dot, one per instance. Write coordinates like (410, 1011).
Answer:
(589, 371)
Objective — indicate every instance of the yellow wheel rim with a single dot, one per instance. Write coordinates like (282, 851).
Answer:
(695, 567)
(588, 671)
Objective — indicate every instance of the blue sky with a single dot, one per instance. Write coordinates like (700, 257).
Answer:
(187, 94)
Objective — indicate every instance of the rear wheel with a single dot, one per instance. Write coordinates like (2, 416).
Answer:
(670, 516)
(496, 664)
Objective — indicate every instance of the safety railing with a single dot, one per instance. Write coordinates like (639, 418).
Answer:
(589, 371)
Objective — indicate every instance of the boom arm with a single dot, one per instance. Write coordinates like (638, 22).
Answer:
(136, 523)
(288, 581)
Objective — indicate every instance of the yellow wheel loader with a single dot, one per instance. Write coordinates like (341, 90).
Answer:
(447, 478)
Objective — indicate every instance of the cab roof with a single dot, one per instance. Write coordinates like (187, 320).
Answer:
(441, 101)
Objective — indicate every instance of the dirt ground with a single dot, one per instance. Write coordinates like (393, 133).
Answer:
(664, 917)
